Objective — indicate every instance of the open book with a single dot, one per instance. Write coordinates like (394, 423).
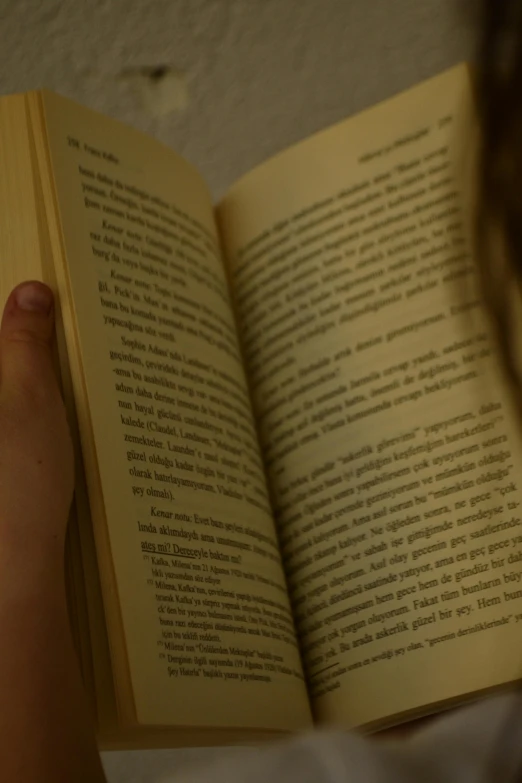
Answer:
(298, 472)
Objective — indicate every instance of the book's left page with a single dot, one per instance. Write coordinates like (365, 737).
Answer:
(198, 615)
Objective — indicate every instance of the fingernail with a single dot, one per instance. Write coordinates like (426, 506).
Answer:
(35, 297)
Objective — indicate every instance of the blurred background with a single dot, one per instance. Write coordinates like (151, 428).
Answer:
(226, 83)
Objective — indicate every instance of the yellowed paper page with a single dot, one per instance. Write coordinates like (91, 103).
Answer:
(204, 609)
(393, 454)
(19, 239)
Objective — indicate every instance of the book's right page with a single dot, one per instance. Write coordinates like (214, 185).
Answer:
(392, 450)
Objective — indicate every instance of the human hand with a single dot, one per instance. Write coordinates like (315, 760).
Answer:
(46, 731)
(36, 455)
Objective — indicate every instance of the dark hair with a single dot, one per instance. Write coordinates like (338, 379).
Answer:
(499, 220)
(499, 210)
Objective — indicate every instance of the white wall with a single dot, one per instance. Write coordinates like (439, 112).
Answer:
(260, 74)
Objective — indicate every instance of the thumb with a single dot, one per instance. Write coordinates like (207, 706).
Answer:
(25, 339)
